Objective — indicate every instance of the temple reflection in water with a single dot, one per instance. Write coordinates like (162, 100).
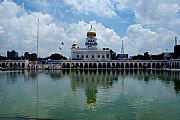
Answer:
(91, 80)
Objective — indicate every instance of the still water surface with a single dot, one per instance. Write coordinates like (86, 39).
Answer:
(85, 95)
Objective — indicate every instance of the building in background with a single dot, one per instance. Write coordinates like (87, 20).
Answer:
(28, 56)
(12, 55)
(121, 56)
(176, 54)
(177, 51)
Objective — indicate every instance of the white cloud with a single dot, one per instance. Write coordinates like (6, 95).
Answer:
(153, 11)
(146, 12)
(1, 30)
(98, 7)
(40, 2)
(140, 40)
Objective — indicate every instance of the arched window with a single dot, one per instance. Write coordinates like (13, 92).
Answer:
(92, 56)
(86, 56)
(107, 56)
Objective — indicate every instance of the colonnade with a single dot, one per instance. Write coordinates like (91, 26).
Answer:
(80, 64)
(129, 64)
(15, 64)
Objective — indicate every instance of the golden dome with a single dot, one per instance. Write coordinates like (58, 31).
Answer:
(91, 102)
(91, 33)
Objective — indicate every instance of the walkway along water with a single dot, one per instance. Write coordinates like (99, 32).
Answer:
(81, 64)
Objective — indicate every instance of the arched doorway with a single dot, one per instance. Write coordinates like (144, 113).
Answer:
(108, 65)
(19, 65)
(104, 65)
(3, 65)
(131, 65)
(173, 66)
(90, 65)
(86, 65)
(72, 65)
(153, 65)
(7, 64)
(68, 65)
(135, 65)
(15, 65)
(157, 65)
(77, 65)
(99, 65)
(122, 65)
(178, 67)
(63, 65)
(81, 65)
(11, 65)
(113, 65)
(118, 65)
(144, 65)
(23, 65)
(162, 65)
(94, 65)
(149, 65)
(127, 65)
(140, 65)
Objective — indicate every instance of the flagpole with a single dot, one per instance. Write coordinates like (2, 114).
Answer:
(37, 38)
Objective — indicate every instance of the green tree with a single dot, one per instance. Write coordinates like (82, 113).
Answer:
(146, 56)
(57, 56)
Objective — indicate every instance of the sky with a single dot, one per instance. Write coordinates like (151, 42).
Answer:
(143, 25)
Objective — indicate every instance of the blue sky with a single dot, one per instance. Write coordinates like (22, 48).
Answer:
(145, 26)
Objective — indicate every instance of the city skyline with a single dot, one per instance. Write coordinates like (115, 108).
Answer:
(144, 26)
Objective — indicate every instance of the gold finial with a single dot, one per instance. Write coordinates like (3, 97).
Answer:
(91, 28)
(91, 32)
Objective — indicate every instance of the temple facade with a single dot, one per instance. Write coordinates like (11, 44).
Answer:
(90, 52)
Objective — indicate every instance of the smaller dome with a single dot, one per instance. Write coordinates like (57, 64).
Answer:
(74, 45)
